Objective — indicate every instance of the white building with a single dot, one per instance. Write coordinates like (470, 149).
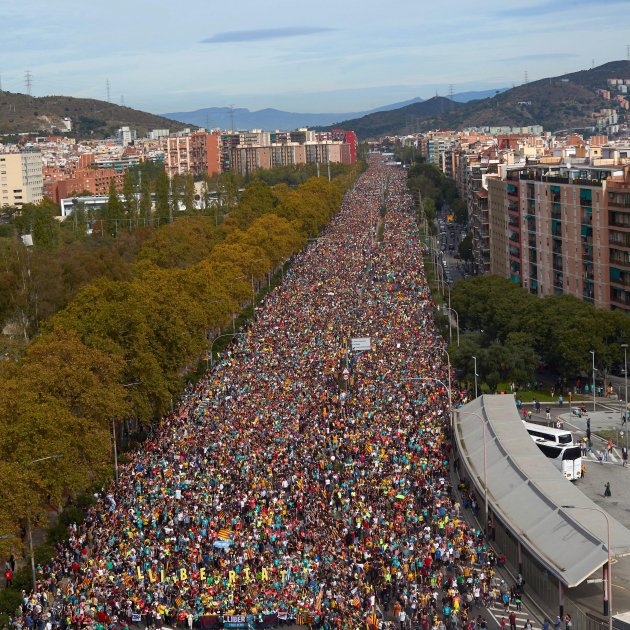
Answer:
(21, 179)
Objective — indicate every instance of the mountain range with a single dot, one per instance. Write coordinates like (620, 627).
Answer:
(556, 103)
(271, 119)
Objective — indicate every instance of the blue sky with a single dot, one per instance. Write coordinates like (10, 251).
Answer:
(325, 56)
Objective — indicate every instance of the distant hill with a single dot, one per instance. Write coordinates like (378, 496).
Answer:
(21, 113)
(406, 118)
(271, 119)
(556, 103)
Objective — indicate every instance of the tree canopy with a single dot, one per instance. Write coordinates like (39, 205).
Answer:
(129, 308)
(512, 332)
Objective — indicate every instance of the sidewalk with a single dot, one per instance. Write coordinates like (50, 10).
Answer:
(508, 573)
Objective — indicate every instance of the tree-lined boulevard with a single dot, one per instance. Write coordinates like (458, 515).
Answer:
(278, 487)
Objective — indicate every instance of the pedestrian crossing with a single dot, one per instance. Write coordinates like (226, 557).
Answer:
(612, 458)
(497, 611)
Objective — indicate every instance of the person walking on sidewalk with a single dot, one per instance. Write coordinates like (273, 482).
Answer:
(607, 492)
(624, 456)
(512, 620)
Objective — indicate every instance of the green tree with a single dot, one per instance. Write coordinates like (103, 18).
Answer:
(145, 207)
(465, 248)
(129, 197)
(39, 221)
(188, 197)
(114, 211)
(162, 195)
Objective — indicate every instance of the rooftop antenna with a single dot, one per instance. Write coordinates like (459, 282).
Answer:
(232, 116)
(28, 80)
(107, 88)
(450, 91)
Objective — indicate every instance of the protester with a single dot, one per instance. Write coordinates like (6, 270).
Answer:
(297, 476)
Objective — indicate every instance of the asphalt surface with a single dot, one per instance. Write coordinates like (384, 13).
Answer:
(598, 473)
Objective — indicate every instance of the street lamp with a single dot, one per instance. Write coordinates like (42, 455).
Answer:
(452, 310)
(593, 353)
(476, 375)
(608, 572)
(219, 337)
(28, 520)
(625, 378)
(485, 461)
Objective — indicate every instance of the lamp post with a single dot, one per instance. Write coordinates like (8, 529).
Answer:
(475, 360)
(485, 463)
(219, 337)
(223, 301)
(625, 378)
(608, 573)
(28, 520)
(452, 310)
(593, 353)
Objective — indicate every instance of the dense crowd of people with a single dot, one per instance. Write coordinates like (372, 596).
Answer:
(299, 477)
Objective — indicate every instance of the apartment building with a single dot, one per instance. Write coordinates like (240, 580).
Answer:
(198, 153)
(21, 179)
(246, 152)
(617, 192)
(549, 230)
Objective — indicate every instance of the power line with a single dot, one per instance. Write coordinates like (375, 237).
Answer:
(628, 51)
(122, 100)
(28, 80)
(450, 91)
(526, 77)
(107, 88)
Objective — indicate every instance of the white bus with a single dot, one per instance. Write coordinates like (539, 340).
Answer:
(557, 445)
(549, 434)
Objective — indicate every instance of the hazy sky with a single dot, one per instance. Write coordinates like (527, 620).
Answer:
(322, 56)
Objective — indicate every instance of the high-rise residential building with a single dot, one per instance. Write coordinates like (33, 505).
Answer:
(21, 179)
(244, 153)
(618, 202)
(156, 134)
(198, 154)
(126, 135)
(562, 229)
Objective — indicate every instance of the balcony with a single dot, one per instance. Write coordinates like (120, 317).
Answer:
(620, 298)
